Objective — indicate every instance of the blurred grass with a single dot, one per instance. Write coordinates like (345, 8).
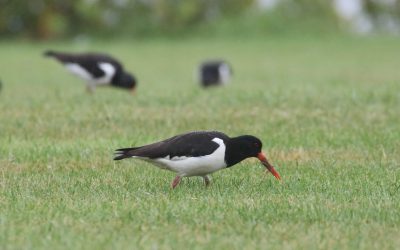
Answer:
(327, 110)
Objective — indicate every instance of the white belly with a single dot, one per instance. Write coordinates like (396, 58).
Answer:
(77, 70)
(196, 166)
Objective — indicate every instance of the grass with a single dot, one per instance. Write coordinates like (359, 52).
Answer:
(327, 111)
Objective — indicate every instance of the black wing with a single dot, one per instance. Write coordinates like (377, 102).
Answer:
(88, 61)
(190, 144)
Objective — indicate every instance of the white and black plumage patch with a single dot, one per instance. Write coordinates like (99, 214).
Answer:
(189, 144)
(213, 73)
(197, 166)
(191, 154)
(108, 72)
(95, 68)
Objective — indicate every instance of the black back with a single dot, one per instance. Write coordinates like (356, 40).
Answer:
(191, 144)
(88, 61)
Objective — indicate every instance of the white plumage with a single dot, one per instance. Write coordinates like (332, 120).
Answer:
(109, 72)
(225, 73)
(77, 70)
(193, 166)
(107, 68)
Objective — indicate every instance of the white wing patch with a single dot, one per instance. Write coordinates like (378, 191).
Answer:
(109, 72)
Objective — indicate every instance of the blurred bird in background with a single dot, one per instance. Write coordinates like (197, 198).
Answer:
(96, 70)
(214, 73)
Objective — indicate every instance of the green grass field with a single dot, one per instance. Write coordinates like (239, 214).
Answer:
(327, 111)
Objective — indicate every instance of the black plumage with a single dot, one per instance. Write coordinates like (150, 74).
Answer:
(213, 73)
(193, 144)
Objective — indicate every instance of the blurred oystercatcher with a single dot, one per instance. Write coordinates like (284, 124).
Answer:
(198, 153)
(212, 73)
(96, 69)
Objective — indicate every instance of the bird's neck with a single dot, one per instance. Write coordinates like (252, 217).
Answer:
(116, 79)
(234, 153)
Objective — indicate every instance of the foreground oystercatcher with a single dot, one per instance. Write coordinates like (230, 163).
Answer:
(96, 69)
(198, 153)
(213, 73)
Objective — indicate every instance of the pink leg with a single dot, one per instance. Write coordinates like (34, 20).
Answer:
(176, 181)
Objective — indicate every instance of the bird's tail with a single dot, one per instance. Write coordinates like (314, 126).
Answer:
(50, 53)
(123, 153)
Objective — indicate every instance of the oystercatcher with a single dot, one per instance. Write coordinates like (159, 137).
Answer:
(198, 153)
(212, 73)
(96, 69)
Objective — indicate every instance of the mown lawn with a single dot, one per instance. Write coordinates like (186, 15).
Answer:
(327, 110)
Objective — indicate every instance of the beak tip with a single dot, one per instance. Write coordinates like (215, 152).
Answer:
(269, 167)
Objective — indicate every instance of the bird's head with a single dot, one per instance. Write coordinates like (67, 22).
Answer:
(246, 146)
(127, 81)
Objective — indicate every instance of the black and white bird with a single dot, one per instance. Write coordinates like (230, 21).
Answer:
(213, 73)
(96, 70)
(198, 153)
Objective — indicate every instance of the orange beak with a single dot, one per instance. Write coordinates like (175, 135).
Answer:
(263, 159)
